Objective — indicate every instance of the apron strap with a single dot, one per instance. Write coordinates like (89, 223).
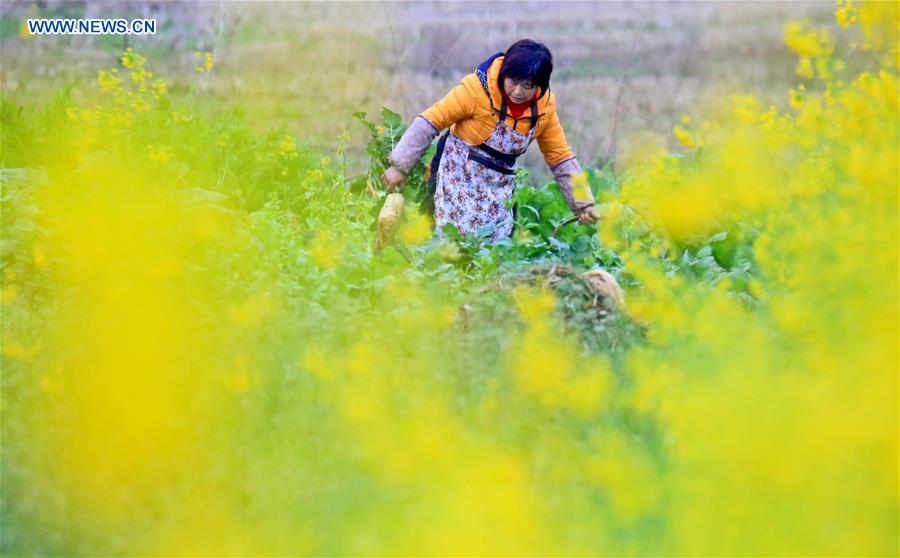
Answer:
(507, 158)
(487, 162)
(534, 113)
(428, 201)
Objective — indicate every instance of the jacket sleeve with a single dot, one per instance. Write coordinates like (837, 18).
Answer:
(414, 142)
(573, 184)
(552, 141)
(458, 104)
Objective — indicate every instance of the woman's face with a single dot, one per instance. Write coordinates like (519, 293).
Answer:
(519, 91)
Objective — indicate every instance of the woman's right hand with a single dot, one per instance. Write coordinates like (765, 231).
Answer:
(393, 179)
(588, 215)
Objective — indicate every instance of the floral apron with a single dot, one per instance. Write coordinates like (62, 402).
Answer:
(472, 182)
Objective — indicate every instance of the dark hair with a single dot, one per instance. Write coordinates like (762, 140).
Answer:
(528, 60)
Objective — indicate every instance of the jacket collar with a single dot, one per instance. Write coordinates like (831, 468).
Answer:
(488, 73)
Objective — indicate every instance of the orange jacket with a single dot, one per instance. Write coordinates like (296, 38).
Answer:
(472, 115)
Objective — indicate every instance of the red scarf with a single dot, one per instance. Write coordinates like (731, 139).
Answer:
(517, 109)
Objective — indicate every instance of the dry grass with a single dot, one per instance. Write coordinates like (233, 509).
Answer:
(620, 67)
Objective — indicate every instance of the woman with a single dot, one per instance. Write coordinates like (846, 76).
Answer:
(493, 114)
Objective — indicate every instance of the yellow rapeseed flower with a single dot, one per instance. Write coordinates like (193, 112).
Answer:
(581, 190)
(684, 137)
(324, 250)
(535, 306)
(808, 41)
(846, 13)
(52, 384)
(132, 60)
(24, 31)
(206, 61)
(39, 257)
(8, 294)
(159, 88)
(415, 229)
(108, 80)
(287, 147)
(241, 378)
(17, 351)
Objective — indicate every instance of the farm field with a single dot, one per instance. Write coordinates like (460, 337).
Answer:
(202, 353)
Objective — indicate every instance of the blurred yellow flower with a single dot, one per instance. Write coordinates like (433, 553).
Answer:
(8, 294)
(287, 146)
(846, 13)
(17, 351)
(206, 64)
(324, 250)
(159, 88)
(581, 189)
(52, 384)
(807, 41)
(535, 305)
(684, 137)
(24, 31)
(108, 80)
(132, 60)
(415, 229)
(450, 251)
(241, 378)
(39, 257)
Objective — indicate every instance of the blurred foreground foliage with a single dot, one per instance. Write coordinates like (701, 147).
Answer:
(201, 355)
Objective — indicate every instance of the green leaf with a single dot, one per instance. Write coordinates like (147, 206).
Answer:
(534, 212)
(719, 237)
(451, 231)
(361, 116)
(390, 118)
